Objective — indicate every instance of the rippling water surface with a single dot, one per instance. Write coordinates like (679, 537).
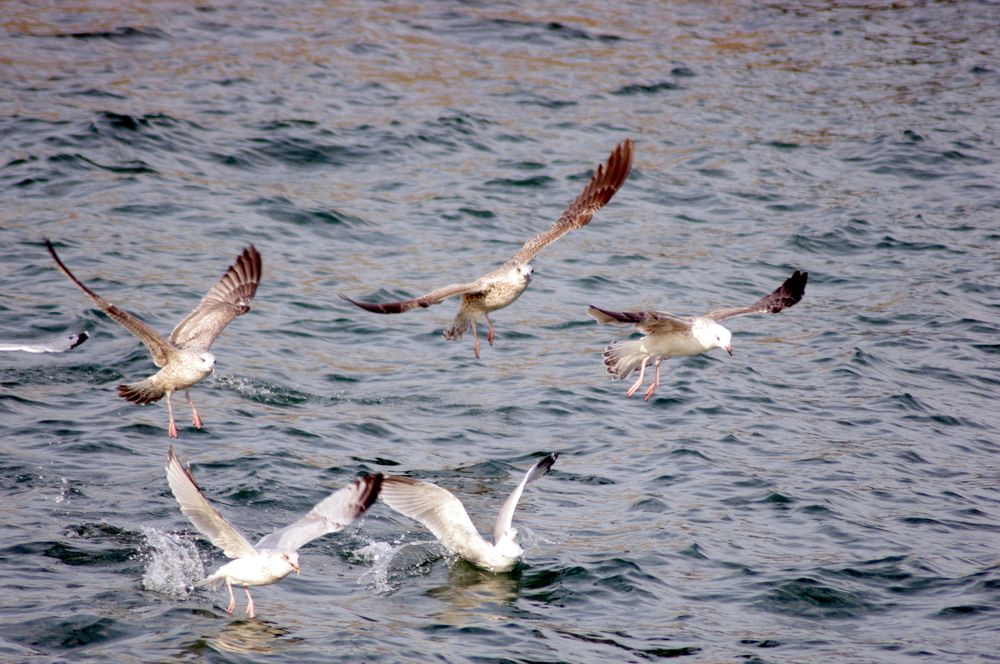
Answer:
(827, 494)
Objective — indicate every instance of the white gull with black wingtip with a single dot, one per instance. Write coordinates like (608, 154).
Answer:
(445, 516)
(54, 345)
(275, 556)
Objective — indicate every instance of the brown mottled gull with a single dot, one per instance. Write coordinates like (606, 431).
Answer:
(184, 359)
(501, 287)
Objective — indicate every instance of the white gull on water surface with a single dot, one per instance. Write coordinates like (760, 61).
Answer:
(275, 555)
(445, 516)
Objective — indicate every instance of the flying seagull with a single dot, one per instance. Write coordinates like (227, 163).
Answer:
(499, 288)
(275, 555)
(55, 345)
(668, 335)
(443, 514)
(184, 359)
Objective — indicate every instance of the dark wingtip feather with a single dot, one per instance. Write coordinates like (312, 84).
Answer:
(252, 265)
(792, 291)
(388, 308)
(546, 464)
(598, 314)
(542, 467)
(373, 486)
(80, 338)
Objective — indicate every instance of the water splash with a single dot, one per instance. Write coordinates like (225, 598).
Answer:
(261, 391)
(63, 490)
(389, 563)
(173, 565)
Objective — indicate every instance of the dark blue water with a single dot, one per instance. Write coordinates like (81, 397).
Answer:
(827, 494)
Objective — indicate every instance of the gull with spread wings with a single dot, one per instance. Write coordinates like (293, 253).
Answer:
(443, 514)
(501, 287)
(275, 555)
(668, 335)
(184, 359)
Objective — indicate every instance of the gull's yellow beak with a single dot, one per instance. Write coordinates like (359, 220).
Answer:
(729, 349)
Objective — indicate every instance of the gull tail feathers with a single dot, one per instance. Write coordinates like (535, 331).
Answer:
(623, 357)
(212, 582)
(142, 392)
(458, 327)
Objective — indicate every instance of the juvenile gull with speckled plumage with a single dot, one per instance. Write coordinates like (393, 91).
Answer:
(668, 335)
(184, 359)
(275, 555)
(501, 287)
(443, 514)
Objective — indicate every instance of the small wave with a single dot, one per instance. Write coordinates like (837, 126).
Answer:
(172, 563)
(646, 88)
(125, 33)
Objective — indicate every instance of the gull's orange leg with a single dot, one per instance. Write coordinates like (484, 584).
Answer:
(249, 602)
(195, 418)
(656, 380)
(232, 598)
(636, 384)
(172, 428)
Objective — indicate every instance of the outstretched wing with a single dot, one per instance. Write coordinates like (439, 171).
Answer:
(506, 515)
(784, 296)
(647, 322)
(332, 514)
(225, 301)
(424, 301)
(602, 186)
(157, 345)
(438, 509)
(205, 518)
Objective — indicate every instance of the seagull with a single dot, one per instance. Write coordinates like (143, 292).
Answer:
(56, 345)
(443, 514)
(184, 359)
(501, 287)
(275, 555)
(668, 335)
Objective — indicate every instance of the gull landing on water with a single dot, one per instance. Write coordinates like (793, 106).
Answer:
(184, 358)
(668, 335)
(443, 514)
(275, 555)
(501, 287)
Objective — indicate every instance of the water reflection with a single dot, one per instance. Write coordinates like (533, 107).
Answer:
(475, 594)
(251, 636)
